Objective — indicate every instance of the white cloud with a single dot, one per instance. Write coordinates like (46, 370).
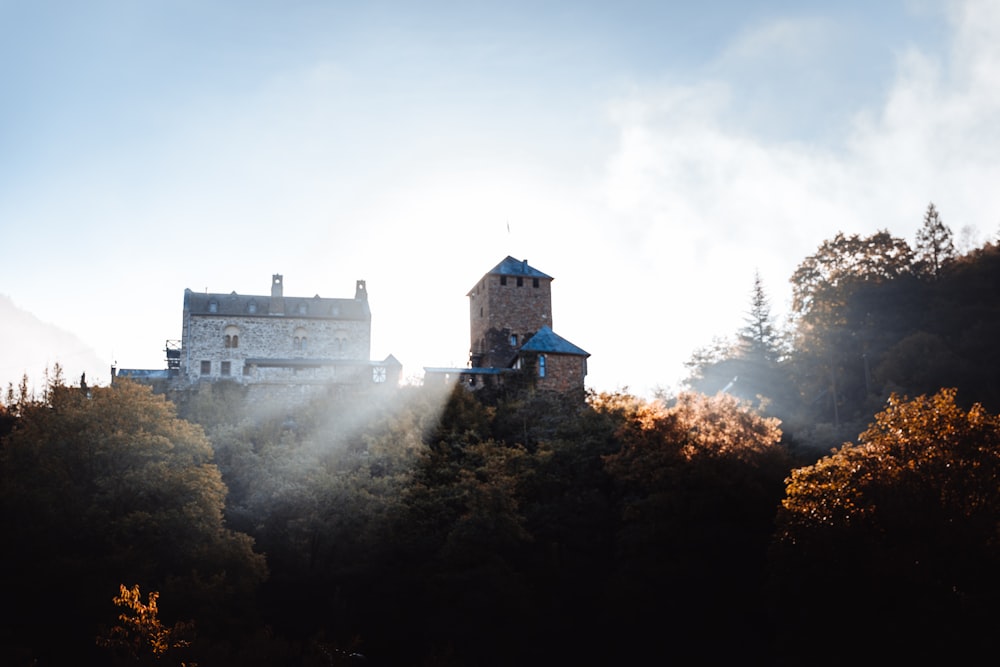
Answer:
(707, 202)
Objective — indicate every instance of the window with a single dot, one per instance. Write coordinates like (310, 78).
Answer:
(534, 282)
(246, 369)
(213, 306)
(299, 339)
(541, 365)
(503, 280)
(378, 374)
(226, 367)
(520, 281)
(252, 307)
(206, 368)
(303, 309)
(231, 336)
(513, 340)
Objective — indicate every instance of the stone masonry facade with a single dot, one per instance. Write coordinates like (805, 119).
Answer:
(277, 339)
(504, 311)
(510, 325)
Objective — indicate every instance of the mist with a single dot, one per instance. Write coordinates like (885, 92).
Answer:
(29, 347)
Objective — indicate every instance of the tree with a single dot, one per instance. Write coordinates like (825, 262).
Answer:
(759, 337)
(899, 534)
(140, 637)
(753, 367)
(935, 244)
(696, 485)
(108, 484)
(833, 332)
(822, 280)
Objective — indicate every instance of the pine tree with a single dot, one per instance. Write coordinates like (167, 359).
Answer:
(935, 244)
(759, 337)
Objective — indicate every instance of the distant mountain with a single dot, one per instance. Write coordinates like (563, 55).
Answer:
(29, 346)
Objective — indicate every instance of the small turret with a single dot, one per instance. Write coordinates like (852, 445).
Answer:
(277, 298)
(361, 292)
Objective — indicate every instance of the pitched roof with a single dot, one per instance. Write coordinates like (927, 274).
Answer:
(547, 341)
(234, 304)
(516, 267)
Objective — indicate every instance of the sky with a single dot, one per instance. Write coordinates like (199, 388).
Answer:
(650, 156)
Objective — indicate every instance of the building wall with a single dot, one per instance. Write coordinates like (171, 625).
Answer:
(497, 311)
(563, 373)
(272, 337)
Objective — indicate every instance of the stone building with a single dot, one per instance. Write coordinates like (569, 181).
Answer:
(510, 323)
(273, 340)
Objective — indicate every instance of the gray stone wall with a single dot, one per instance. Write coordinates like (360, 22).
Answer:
(204, 338)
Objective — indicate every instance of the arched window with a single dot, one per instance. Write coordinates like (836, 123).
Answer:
(231, 336)
(299, 339)
(340, 339)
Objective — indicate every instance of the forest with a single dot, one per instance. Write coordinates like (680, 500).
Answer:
(822, 491)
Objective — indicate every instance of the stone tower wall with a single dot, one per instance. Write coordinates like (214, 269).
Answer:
(497, 311)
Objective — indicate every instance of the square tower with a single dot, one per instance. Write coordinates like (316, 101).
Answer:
(506, 307)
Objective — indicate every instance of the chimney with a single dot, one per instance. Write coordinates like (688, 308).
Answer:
(277, 305)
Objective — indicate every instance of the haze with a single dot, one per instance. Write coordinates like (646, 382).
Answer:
(648, 157)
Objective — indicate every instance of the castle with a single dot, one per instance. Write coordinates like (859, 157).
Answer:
(272, 340)
(510, 322)
(283, 342)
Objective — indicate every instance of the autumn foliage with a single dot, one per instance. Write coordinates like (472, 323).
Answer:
(900, 530)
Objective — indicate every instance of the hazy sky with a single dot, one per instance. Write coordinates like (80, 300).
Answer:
(650, 156)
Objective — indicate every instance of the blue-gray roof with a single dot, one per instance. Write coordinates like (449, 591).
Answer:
(547, 341)
(479, 370)
(517, 267)
(143, 374)
(258, 305)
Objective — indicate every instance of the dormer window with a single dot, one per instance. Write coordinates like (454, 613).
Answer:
(303, 309)
(213, 306)
(252, 307)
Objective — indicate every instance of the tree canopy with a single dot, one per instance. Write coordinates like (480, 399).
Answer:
(899, 532)
(103, 485)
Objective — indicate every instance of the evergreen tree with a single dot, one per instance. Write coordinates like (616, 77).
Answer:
(759, 338)
(935, 244)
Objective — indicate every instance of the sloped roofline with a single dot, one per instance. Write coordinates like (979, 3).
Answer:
(547, 341)
(511, 266)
